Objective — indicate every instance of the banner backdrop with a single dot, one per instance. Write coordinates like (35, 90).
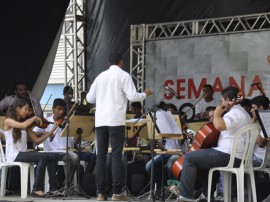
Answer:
(187, 64)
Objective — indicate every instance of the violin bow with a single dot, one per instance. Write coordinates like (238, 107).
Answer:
(30, 96)
(46, 103)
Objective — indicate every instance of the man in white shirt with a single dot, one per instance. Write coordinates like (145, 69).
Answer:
(259, 102)
(110, 91)
(57, 144)
(235, 118)
(207, 101)
(21, 91)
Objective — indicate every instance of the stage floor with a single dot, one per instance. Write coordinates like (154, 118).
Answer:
(70, 199)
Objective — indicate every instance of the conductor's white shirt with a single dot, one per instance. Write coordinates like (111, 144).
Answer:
(111, 91)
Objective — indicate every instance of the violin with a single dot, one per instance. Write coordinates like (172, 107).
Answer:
(62, 122)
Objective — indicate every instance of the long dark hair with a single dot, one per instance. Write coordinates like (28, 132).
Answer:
(12, 113)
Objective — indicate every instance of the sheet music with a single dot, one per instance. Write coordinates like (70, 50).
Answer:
(264, 115)
(166, 123)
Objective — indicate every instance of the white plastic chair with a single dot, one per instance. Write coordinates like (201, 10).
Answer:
(24, 168)
(263, 167)
(251, 131)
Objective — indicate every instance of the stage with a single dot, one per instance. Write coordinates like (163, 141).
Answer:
(71, 199)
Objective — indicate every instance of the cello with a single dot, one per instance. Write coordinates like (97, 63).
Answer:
(206, 137)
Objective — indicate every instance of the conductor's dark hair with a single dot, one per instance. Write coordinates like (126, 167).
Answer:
(261, 100)
(115, 58)
(59, 102)
(230, 92)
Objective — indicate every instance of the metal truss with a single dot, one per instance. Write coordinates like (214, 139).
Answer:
(140, 34)
(74, 46)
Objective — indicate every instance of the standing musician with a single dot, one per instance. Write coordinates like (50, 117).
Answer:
(235, 118)
(110, 91)
(208, 100)
(16, 132)
(21, 91)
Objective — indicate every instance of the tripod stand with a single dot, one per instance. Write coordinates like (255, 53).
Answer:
(125, 188)
(151, 193)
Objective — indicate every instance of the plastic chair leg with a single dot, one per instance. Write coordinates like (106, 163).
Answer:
(227, 186)
(3, 181)
(253, 187)
(210, 175)
(32, 177)
(24, 180)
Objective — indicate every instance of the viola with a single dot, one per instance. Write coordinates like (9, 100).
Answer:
(206, 137)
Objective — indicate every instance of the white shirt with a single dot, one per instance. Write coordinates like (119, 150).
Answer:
(12, 149)
(110, 91)
(172, 144)
(201, 106)
(259, 151)
(58, 144)
(234, 119)
(8, 101)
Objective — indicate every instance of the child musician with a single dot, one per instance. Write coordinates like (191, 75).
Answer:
(16, 131)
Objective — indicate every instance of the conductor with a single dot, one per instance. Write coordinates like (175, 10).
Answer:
(110, 91)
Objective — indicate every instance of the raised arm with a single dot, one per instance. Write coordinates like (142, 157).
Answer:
(11, 123)
(37, 140)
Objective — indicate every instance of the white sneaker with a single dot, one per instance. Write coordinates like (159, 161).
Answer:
(174, 189)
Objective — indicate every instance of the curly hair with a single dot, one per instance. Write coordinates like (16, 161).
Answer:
(12, 113)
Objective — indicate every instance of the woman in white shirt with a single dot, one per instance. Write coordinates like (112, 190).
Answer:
(16, 129)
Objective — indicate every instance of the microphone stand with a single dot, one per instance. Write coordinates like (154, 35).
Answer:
(68, 180)
(152, 148)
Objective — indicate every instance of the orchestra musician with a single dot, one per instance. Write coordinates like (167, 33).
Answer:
(16, 132)
(110, 91)
(21, 91)
(235, 118)
(166, 160)
(208, 100)
(57, 144)
(260, 102)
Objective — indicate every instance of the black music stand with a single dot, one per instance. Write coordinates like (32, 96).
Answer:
(158, 131)
(83, 127)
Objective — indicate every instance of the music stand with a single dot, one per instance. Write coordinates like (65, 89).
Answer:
(159, 131)
(83, 127)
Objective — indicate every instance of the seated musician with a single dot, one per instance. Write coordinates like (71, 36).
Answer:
(208, 100)
(83, 108)
(21, 91)
(235, 118)
(259, 102)
(210, 113)
(136, 109)
(168, 159)
(16, 132)
(57, 144)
